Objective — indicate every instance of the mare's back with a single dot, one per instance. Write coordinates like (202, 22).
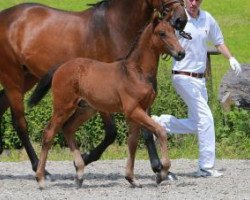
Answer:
(46, 36)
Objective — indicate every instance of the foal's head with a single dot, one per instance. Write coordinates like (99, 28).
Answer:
(165, 40)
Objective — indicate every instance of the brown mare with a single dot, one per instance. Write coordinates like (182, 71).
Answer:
(34, 38)
(125, 88)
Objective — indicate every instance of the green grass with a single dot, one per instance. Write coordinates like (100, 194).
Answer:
(74, 5)
(186, 147)
(234, 19)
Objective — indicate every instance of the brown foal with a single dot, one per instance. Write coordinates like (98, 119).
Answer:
(121, 86)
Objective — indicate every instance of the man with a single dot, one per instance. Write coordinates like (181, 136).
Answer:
(189, 82)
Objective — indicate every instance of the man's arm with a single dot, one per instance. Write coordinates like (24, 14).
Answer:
(235, 65)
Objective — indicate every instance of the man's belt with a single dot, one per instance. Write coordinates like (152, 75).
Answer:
(192, 74)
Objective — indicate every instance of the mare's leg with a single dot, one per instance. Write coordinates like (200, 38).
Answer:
(156, 164)
(110, 135)
(29, 82)
(133, 138)
(81, 115)
(141, 117)
(14, 87)
(4, 104)
(56, 122)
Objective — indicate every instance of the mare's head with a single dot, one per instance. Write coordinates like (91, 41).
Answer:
(165, 40)
(174, 9)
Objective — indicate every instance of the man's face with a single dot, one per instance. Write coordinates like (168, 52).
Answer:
(193, 6)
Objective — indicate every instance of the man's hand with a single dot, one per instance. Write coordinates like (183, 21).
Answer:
(235, 65)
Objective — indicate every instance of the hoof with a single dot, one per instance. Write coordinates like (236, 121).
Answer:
(1, 150)
(133, 182)
(85, 158)
(78, 182)
(41, 183)
(49, 177)
(160, 176)
(171, 177)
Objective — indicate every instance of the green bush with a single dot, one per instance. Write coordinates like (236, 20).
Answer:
(231, 126)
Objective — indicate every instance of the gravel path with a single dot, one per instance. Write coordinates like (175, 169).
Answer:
(105, 180)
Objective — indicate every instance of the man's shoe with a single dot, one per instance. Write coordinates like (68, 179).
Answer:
(156, 119)
(208, 173)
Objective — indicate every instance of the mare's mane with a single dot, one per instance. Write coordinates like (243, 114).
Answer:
(102, 2)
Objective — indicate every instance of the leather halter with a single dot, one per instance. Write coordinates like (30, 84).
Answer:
(169, 12)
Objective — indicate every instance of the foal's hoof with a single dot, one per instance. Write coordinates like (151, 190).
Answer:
(171, 177)
(41, 183)
(133, 182)
(78, 182)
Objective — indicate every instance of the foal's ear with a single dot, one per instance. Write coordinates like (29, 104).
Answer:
(156, 19)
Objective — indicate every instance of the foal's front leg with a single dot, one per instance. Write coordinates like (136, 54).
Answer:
(155, 162)
(141, 117)
(133, 137)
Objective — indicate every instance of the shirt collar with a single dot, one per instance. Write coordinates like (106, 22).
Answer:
(201, 15)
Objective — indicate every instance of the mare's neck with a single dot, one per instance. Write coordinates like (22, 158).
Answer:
(126, 16)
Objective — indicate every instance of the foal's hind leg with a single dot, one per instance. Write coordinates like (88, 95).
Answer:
(58, 119)
(81, 115)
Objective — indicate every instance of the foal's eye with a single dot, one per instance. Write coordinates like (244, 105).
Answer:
(162, 34)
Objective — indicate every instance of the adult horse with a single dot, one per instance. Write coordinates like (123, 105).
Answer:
(34, 38)
(128, 89)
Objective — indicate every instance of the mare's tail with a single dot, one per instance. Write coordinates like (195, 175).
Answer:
(42, 87)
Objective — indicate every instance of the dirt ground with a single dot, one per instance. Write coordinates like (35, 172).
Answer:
(105, 180)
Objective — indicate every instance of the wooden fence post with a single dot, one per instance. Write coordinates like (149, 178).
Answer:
(210, 51)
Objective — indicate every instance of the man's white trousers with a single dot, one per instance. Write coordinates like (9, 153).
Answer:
(200, 120)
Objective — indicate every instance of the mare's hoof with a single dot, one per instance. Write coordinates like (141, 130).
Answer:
(78, 182)
(161, 176)
(171, 177)
(1, 150)
(48, 176)
(85, 158)
(134, 183)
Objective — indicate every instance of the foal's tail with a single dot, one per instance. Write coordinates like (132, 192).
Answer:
(42, 87)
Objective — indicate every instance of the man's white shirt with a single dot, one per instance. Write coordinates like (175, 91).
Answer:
(203, 29)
